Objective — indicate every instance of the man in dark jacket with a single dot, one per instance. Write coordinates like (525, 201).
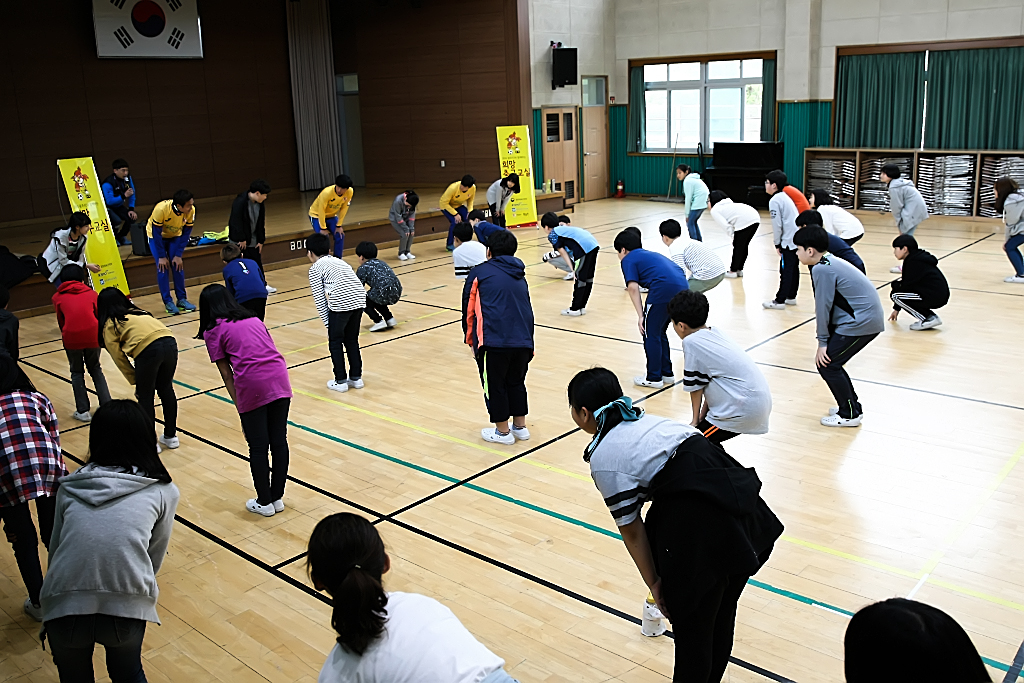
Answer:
(119, 196)
(922, 287)
(246, 226)
(8, 326)
(497, 319)
(836, 245)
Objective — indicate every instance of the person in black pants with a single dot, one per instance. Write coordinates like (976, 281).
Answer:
(247, 224)
(922, 286)
(119, 197)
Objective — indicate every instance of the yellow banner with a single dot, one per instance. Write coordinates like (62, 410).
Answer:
(85, 195)
(516, 157)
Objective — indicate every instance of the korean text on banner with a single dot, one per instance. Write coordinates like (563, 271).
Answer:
(515, 155)
(85, 195)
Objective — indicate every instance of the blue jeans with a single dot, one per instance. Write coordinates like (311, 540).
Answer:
(73, 638)
(1013, 253)
(691, 224)
(659, 359)
(462, 211)
(163, 280)
(332, 226)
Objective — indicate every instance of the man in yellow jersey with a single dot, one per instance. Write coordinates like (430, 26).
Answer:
(168, 229)
(329, 209)
(456, 203)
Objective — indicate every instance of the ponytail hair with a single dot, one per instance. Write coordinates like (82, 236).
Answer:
(1004, 188)
(346, 558)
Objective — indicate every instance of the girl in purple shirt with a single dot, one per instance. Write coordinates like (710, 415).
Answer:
(256, 377)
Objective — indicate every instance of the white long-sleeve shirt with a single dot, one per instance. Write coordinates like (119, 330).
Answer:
(335, 287)
(840, 222)
(784, 214)
(733, 216)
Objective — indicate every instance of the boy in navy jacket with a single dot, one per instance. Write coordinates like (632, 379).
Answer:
(497, 320)
(244, 280)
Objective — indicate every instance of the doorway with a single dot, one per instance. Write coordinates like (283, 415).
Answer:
(350, 125)
(595, 138)
(561, 163)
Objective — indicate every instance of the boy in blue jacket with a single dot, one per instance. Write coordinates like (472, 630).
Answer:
(578, 248)
(482, 228)
(244, 280)
(497, 320)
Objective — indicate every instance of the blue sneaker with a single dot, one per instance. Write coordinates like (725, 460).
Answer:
(184, 305)
(450, 248)
(171, 309)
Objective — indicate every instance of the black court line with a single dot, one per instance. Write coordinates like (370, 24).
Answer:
(1018, 663)
(984, 291)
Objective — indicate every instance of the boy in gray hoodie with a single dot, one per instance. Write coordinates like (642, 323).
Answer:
(110, 533)
(849, 315)
(907, 204)
(402, 215)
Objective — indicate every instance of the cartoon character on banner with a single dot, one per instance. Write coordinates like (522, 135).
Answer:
(79, 179)
(512, 142)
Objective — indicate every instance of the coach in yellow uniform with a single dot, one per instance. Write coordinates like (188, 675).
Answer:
(168, 229)
(329, 209)
(456, 203)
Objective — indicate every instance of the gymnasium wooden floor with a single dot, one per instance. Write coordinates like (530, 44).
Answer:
(923, 500)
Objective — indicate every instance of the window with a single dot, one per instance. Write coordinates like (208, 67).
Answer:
(702, 102)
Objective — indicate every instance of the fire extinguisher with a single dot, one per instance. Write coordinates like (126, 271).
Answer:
(620, 189)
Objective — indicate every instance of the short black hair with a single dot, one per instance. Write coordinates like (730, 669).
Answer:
(892, 170)
(809, 217)
(565, 219)
(72, 271)
(812, 237)
(683, 167)
(366, 249)
(5, 296)
(628, 240)
(463, 232)
(905, 241)
(716, 196)
(670, 228)
(318, 244)
(412, 198)
(822, 198)
(343, 181)
(181, 197)
(777, 178)
(261, 186)
(549, 220)
(229, 252)
(502, 243)
(475, 215)
(689, 307)
(119, 163)
(468, 181)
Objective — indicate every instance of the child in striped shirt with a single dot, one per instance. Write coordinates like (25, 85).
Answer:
(340, 300)
(705, 267)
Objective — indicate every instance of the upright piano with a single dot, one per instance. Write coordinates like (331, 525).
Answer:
(738, 169)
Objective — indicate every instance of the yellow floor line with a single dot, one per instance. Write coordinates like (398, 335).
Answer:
(316, 346)
(851, 557)
(440, 435)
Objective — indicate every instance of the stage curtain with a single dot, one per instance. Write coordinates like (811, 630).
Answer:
(314, 93)
(975, 99)
(768, 101)
(637, 111)
(880, 100)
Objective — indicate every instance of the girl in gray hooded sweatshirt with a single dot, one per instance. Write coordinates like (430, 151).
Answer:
(110, 534)
(1010, 203)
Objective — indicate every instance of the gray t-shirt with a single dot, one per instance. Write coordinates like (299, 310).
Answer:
(627, 458)
(736, 391)
(254, 215)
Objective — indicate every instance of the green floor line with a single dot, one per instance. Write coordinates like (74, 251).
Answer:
(799, 598)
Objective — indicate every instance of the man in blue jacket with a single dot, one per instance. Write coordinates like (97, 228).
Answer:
(119, 196)
(497, 320)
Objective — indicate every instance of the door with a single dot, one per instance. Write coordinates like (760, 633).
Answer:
(561, 161)
(595, 138)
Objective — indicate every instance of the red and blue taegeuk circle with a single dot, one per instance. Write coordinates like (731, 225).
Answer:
(148, 18)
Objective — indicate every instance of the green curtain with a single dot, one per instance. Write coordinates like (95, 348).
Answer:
(538, 149)
(880, 100)
(975, 99)
(768, 101)
(637, 111)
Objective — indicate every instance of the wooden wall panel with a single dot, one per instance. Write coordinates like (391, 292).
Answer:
(211, 125)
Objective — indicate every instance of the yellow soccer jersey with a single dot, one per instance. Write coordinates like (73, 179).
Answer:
(453, 197)
(171, 224)
(328, 205)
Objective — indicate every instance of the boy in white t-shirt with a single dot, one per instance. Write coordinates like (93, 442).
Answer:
(728, 392)
(468, 254)
(836, 219)
(706, 270)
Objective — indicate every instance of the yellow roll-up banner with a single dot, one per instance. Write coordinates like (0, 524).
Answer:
(516, 157)
(85, 195)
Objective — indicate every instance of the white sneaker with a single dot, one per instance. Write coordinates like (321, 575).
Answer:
(548, 256)
(411, 256)
(252, 505)
(158, 449)
(733, 274)
(773, 306)
(927, 323)
(378, 326)
(651, 623)
(278, 505)
(1017, 279)
(668, 379)
(170, 442)
(837, 421)
(791, 302)
(569, 276)
(271, 290)
(392, 322)
(644, 290)
(356, 383)
(642, 381)
(335, 385)
(34, 611)
(574, 314)
(521, 433)
(82, 417)
(402, 257)
(834, 410)
(491, 434)
(896, 269)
